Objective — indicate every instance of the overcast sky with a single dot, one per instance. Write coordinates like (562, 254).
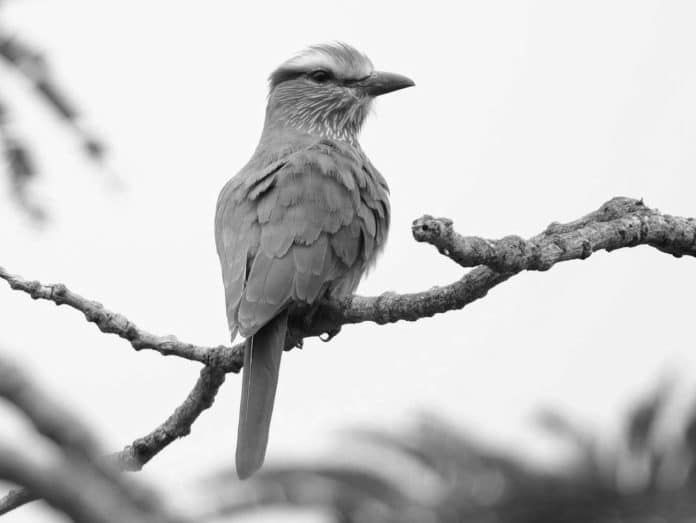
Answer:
(524, 113)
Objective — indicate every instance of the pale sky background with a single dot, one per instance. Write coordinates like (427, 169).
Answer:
(524, 112)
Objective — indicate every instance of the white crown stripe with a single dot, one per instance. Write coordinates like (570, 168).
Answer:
(343, 60)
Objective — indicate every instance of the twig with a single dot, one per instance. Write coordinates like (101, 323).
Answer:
(113, 323)
(178, 425)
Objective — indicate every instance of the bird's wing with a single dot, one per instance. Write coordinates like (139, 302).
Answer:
(287, 232)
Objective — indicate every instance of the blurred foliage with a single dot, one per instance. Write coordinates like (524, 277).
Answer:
(434, 473)
(19, 61)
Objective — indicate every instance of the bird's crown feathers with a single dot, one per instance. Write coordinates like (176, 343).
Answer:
(343, 61)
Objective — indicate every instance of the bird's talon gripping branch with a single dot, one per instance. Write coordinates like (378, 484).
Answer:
(294, 339)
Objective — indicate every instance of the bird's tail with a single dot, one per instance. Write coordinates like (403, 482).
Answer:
(259, 380)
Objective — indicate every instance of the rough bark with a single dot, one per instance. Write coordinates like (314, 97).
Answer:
(619, 223)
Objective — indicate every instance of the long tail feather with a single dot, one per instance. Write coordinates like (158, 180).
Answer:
(259, 380)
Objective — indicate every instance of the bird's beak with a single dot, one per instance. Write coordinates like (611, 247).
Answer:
(379, 83)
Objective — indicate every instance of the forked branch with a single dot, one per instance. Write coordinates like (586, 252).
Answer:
(619, 223)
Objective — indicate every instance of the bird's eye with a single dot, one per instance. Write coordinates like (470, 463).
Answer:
(320, 76)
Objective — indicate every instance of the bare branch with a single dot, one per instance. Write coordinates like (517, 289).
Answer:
(619, 223)
(178, 425)
(114, 323)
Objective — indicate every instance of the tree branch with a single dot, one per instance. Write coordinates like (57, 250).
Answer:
(136, 455)
(619, 223)
(113, 323)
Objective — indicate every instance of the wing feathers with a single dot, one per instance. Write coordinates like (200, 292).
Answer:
(305, 221)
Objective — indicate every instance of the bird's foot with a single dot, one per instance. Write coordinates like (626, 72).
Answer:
(293, 339)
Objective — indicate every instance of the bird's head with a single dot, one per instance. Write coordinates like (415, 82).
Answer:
(327, 90)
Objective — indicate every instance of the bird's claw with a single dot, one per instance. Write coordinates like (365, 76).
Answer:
(294, 340)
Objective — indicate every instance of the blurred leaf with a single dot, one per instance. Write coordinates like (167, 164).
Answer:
(477, 484)
(690, 434)
(20, 56)
(55, 99)
(346, 491)
(20, 164)
(30, 64)
(642, 419)
(94, 148)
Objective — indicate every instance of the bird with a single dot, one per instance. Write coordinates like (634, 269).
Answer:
(303, 220)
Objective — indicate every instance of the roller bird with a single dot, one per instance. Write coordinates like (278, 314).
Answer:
(303, 220)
